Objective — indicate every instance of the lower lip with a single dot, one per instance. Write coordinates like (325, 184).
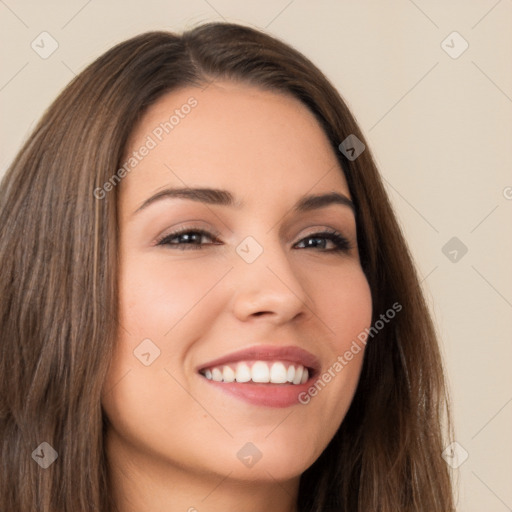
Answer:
(266, 395)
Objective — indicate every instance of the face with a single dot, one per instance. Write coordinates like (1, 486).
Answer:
(234, 303)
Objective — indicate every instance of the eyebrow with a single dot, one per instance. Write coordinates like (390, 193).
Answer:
(221, 197)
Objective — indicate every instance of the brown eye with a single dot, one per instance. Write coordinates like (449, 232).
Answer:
(187, 239)
(318, 240)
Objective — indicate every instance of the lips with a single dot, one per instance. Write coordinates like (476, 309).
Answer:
(264, 375)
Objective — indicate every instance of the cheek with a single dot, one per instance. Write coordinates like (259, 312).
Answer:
(156, 295)
(345, 311)
(345, 308)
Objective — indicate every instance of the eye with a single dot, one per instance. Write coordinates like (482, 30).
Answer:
(185, 239)
(320, 240)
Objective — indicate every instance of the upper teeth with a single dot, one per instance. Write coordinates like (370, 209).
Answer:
(259, 371)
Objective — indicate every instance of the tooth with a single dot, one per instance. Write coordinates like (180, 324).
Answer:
(243, 373)
(260, 372)
(298, 374)
(228, 374)
(216, 375)
(278, 373)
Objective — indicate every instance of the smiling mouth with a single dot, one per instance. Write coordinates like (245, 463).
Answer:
(263, 375)
(261, 372)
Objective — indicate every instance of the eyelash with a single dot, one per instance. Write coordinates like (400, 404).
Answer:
(342, 244)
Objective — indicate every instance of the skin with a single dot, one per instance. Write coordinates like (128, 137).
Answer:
(173, 439)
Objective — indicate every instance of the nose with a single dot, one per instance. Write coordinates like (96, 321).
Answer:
(269, 288)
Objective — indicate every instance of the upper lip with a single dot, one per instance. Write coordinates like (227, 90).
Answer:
(290, 353)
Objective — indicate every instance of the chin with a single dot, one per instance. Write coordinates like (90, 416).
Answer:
(283, 458)
(276, 467)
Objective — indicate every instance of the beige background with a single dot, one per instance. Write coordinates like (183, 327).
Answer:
(439, 127)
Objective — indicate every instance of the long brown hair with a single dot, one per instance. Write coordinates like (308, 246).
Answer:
(58, 288)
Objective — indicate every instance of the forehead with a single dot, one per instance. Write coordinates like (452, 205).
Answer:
(262, 145)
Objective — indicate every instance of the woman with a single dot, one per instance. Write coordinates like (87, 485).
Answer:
(207, 302)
